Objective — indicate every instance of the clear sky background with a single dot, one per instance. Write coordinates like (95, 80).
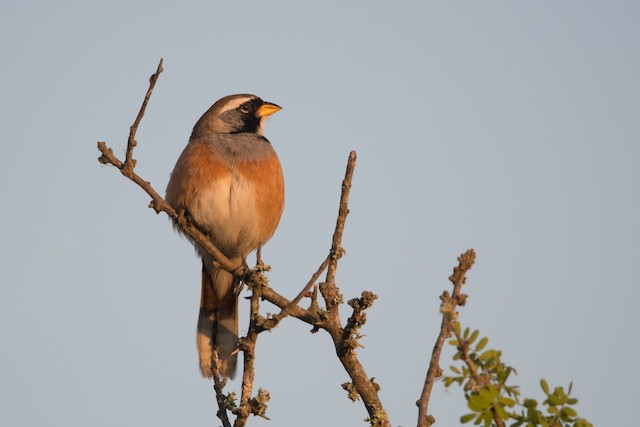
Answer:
(508, 127)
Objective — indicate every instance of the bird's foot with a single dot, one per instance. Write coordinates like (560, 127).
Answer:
(238, 288)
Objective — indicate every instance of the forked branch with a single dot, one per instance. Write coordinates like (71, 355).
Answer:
(345, 338)
(248, 405)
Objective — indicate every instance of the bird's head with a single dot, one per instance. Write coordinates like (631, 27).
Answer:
(241, 113)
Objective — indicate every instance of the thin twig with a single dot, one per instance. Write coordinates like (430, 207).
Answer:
(256, 281)
(329, 290)
(478, 381)
(287, 310)
(464, 355)
(343, 211)
(129, 163)
(218, 386)
(159, 205)
(448, 310)
(343, 338)
(294, 310)
(157, 202)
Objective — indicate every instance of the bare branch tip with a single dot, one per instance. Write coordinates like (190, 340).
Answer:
(159, 70)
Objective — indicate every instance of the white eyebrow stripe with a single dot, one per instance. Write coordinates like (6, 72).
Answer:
(235, 103)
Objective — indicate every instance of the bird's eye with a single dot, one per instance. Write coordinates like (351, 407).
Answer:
(245, 108)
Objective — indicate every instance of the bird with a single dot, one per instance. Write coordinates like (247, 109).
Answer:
(228, 181)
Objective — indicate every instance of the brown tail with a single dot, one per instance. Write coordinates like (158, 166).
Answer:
(218, 322)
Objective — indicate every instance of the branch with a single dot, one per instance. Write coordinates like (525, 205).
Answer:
(345, 339)
(345, 343)
(477, 380)
(290, 306)
(157, 202)
(130, 163)
(449, 314)
(224, 401)
(329, 290)
(256, 280)
(296, 311)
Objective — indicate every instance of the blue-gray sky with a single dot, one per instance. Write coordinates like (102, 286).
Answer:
(509, 127)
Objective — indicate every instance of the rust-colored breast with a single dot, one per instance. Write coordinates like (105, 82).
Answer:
(197, 168)
(238, 204)
(268, 186)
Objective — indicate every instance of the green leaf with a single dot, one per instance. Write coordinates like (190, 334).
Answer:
(568, 412)
(465, 335)
(530, 403)
(544, 385)
(474, 336)
(489, 393)
(487, 417)
(583, 423)
(456, 327)
(559, 393)
(507, 372)
(554, 400)
(455, 369)
(500, 411)
(466, 418)
(482, 343)
(489, 354)
(478, 403)
(507, 402)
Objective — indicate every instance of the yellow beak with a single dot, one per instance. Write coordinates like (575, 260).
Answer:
(267, 109)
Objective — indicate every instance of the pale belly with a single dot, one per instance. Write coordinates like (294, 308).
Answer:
(228, 211)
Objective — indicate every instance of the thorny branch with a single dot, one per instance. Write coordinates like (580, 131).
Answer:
(254, 278)
(345, 338)
(449, 315)
(157, 202)
(287, 310)
(225, 402)
(256, 281)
